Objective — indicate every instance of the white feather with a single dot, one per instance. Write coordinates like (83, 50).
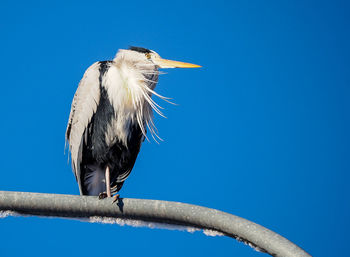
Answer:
(84, 105)
(130, 93)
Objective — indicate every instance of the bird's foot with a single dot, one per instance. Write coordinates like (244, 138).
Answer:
(102, 195)
(116, 198)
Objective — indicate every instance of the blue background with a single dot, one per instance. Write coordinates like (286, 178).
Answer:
(261, 131)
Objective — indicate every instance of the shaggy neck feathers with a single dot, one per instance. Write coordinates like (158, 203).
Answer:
(129, 84)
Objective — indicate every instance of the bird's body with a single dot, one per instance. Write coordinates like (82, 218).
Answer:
(110, 112)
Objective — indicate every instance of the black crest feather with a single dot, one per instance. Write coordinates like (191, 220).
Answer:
(140, 49)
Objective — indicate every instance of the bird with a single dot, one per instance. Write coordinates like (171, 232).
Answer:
(111, 111)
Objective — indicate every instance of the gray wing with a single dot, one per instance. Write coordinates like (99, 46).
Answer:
(84, 106)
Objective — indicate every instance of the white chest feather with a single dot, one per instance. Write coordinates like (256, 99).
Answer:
(127, 92)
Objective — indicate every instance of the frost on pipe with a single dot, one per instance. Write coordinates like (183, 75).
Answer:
(138, 223)
(141, 211)
(125, 222)
(4, 214)
(151, 225)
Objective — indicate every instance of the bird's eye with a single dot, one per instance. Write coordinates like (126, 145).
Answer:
(148, 55)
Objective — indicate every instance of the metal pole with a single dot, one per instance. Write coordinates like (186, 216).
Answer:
(158, 211)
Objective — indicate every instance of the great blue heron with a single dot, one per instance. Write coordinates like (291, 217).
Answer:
(110, 112)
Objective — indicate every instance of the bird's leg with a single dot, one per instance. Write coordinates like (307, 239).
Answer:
(108, 182)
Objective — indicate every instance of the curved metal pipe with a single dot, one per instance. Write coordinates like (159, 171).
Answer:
(175, 213)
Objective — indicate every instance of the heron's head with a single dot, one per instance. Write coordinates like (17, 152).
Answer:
(140, 56)
(138, 68)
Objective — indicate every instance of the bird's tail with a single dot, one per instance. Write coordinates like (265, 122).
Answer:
(94, 180)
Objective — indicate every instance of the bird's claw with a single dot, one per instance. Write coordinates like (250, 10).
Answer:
(102, 195)
(116, 198)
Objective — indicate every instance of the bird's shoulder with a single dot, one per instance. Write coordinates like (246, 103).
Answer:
(86, 97)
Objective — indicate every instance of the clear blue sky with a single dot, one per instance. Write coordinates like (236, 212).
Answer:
(261, 131)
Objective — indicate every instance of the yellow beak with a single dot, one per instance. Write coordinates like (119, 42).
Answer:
(164, 63)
